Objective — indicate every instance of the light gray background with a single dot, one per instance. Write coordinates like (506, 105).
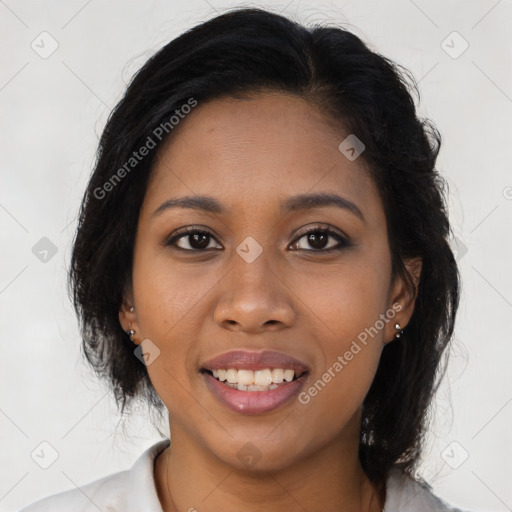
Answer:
(53, 110)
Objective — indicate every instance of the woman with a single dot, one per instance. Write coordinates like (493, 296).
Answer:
(263, 249)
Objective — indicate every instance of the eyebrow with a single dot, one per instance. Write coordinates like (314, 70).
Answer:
(295, 203)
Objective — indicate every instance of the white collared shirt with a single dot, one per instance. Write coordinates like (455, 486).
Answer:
(134, 490)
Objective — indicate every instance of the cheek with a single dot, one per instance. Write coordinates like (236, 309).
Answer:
(167, 294)
(351, 347)
(347, 300)
(174, 302)
(350, 331)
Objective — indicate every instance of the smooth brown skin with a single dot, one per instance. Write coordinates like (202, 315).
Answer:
(250, 155)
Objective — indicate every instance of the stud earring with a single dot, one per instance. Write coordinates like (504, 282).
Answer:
(399, 330)
(130, 332)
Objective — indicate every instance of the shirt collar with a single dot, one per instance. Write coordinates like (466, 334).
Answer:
(141, 495)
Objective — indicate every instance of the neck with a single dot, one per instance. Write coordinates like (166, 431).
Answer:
(190, 479)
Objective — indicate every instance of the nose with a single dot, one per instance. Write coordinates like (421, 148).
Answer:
(253, 298)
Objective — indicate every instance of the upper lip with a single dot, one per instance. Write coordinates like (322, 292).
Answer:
(251, 360)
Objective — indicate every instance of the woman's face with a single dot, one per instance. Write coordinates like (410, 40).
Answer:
(256, 282)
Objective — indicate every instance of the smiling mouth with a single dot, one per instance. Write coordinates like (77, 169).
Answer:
(265, 379)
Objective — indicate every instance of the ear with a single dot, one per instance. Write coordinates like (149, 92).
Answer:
(128, 317)
(403, 297)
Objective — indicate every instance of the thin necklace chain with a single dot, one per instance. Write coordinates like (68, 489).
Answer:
(167, 481)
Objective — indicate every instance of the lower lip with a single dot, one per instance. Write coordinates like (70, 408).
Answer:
(253, 402)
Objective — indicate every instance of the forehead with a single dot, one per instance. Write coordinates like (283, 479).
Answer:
(255, 152)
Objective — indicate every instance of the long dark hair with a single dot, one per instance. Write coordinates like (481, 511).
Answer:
(246, 51)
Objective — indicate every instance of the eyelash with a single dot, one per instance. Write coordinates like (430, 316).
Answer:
(190, 230)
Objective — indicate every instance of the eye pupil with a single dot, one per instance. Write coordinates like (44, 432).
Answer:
(317, 240)
(200, 238)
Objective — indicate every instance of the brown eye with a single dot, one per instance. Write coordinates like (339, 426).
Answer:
(192, 240)
(318, 239)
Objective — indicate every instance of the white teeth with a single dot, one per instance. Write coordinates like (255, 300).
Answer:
(252, 387)
(245, 377)
(263, 377)
(258, 380)
(232, 376)
(277, 375)
(255, 387)
(288, 375)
